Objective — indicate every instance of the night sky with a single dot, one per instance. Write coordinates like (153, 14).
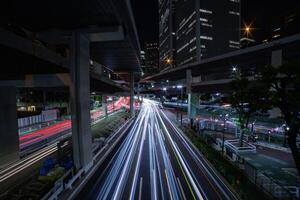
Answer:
(260, 13)
(146, 19)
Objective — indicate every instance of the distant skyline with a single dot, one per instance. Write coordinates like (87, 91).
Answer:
(258, 12)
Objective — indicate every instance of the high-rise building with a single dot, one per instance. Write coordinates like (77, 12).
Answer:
(284, 25)
(206, 28)
(143, 61)
(166, 34)
(151, 58)
(265, 25)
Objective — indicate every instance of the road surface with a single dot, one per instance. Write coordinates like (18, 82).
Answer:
(55, 130)
(157, 161)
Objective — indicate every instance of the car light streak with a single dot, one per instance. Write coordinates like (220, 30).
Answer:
(171, 163)
(16, 168)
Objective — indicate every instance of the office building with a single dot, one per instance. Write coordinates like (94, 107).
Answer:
(166, 34)
(143, 61)
(206, 28)
(151, 58)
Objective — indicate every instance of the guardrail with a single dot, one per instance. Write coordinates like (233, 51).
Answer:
(59, 186)
(68, 180)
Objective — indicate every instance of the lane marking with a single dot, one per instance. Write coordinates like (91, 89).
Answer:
(180, 186)
(178, 156)
(191, 190)
(169, 188)
(140, 189)
(208, 169)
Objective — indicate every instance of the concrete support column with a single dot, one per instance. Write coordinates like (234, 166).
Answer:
(80, 101)
(138, 91)
(9, 142)
(44, 99)
(193, 104)
(276, 58)
(132, 94)
(104, 105)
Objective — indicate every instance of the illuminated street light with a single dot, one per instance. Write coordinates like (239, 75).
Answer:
(234, 69)
(164, 89)
(248, 29)
(179, 86)
(168, 61)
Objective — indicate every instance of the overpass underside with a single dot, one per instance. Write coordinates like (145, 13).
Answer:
(79, 45)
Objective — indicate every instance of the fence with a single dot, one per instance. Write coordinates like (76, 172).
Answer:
(45, 116)
(261, 180)
(268, 184)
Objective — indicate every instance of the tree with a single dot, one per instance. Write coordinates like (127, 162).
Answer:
(247, 98)
(284, 84)
(206, 97)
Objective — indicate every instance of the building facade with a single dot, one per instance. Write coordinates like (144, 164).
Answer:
(166, 34)
(151, 58)
(206, 28)
(143, 61)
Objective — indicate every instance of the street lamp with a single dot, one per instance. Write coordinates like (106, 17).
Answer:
(168, 61)
(286, 130)
(223, 135)
(247, 29)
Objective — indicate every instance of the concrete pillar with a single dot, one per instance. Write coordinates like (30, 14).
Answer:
(104, 106)
(276, 58)
(138, 91)
(193, 104)
(9, 142)
(193, 99)
(132, 94)
(80, 101)
(44, 99)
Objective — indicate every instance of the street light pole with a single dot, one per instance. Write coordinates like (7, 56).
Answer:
(223, 135)
(113, 104)
(177, 107)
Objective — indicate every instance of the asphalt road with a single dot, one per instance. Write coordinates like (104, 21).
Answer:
(157, 161)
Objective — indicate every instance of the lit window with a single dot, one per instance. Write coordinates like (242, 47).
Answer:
(206, 24)
(192, 40)
(234, 42)
(203, 20)
(206, 37)
(234, 13)
(184, 21)
(192, 23)
(193, 48)
(206, 11)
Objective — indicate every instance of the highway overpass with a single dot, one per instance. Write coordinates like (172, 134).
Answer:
(73, 44)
